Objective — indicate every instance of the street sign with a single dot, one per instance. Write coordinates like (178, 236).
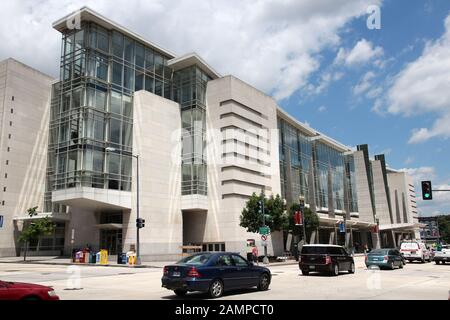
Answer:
(342, 227)
(1, 221)
(264, 230)
(263, 237)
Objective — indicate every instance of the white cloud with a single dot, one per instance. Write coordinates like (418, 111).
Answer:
(322, 109)
(409, 160)
(362, 52)
(441, 200)
(273, 45)
(423, 87)
(364, 84)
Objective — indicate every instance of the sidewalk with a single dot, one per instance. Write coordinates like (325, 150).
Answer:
(54, 260)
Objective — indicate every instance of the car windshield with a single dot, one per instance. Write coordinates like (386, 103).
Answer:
(197, 259)
(410, 245)
(378, 252)
(315, 250)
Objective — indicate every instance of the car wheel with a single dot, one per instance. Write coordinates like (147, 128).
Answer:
(264, 282)
(216, 289)
(391, 265)
(443, 262)
(180, 293)
(335, 270)
(305, 272)
(401, 265)
(352, 268)
(437, 262)
(423, 259)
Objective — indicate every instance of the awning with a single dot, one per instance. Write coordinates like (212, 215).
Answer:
(110, 226)
(52, 216)
(399, 226)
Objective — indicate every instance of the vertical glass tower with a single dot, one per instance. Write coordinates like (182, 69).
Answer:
(92, 107)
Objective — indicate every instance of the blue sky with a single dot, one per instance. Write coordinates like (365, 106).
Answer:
(406, 27)
(388, 88)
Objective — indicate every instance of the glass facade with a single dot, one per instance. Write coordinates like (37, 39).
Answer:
(92, 107)
(300, 149)
(332, 171)
(189, 89)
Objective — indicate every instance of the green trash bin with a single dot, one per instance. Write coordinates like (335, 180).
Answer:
(92, 257)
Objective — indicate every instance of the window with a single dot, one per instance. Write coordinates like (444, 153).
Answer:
(139, 81)
(3, 202)
(149, 60)
(225, 261)
(113, 163)
(239, 261)
(12, 98)
(114, 131)
(127, 134)
(12, 110)
(117, 44)
(140, 55)
(159, 67)
(117, 73)
(149, 82)
(10, 123)
(6, 175)
(129, 50)
(8, 149)
(4, 189)
(128, 78)
(103, 43)
(116, 102)
(7, 162)
(127, 106)
(9, 136)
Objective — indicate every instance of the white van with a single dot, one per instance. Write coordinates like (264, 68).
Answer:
(414, 250)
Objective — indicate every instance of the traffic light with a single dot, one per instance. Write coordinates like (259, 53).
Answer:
(427, 193)
(140, 223)
(260, 206)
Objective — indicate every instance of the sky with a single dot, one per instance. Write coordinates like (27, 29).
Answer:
(322, 60)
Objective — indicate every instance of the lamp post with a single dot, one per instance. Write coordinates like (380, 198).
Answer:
(138, 256)
(301, 201)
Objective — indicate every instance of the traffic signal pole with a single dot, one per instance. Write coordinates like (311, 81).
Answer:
(138, 256)
(265, 259)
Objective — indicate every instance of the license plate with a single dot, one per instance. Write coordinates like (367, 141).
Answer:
(312, 267)
(176, 274)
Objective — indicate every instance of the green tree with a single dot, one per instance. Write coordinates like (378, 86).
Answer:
(35, 230)
(444, 228)
(252, 220)
(311, 221)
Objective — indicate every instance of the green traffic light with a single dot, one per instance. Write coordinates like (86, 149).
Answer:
(427, 195)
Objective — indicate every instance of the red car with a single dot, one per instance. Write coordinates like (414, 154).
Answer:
(25, 291)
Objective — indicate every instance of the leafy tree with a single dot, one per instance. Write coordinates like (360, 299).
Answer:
(252, 220)
(35, 230)
(311, 220)
(444, 228)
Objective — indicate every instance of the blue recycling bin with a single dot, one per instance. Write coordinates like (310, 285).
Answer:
(122, 258)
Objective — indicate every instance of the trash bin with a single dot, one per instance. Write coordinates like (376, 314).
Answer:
(92, 257)
(97, 257)
(122, 258)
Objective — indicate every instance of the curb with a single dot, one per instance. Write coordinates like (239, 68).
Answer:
(79, 264)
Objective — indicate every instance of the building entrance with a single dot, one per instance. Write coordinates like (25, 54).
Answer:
(111, 240)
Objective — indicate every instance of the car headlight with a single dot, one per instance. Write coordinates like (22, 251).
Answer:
(52, 293)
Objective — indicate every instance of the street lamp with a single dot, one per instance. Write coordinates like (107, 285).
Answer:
(301, 201)
(138, 220)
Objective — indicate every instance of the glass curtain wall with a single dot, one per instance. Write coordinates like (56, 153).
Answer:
(189, 87)
(92, 107)
(328, 161)
(351, 182)
(292, 140)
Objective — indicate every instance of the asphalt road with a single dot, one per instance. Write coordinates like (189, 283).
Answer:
(414, 281)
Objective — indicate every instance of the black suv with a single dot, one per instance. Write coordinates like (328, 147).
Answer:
(325, 258)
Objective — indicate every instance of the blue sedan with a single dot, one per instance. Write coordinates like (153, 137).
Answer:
(214, 272)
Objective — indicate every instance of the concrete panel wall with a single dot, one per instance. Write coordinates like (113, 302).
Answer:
(157, 140)
(363, 193)
(24, 130)
(381, 201)
(245, 111)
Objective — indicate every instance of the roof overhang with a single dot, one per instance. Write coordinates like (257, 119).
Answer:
(87, 14)
(191, 59)
(399, 226)
(110, 226)
(50, 215)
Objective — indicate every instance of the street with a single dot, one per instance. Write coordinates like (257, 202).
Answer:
(414, 281)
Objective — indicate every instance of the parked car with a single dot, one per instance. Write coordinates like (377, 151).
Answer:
(214, 273)
(25, 291)
(384, 258)
(331, 259)
(415, 250)
(442, 255)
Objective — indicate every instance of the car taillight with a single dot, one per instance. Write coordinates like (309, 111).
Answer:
(386, 258)
(166, 271)
(300, 259)
(193, 273)
(327, 260)
(366, 258)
